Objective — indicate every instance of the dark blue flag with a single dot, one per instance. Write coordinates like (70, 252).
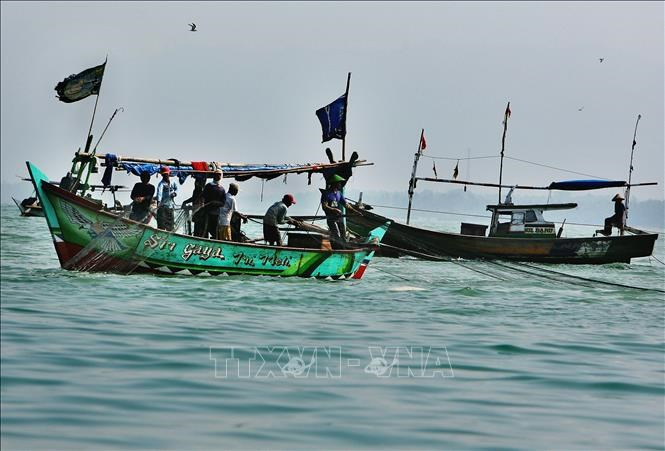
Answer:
(333, 119)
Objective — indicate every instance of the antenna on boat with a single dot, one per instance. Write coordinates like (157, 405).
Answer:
(412, 182)
(94, 150)
(503, 145)
(630, 172)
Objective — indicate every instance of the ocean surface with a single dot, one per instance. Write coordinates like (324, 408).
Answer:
(416, 355)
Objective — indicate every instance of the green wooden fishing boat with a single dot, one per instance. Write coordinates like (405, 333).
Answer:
(88, 238)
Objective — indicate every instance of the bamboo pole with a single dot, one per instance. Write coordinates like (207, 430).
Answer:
(630, 171)
(412, 182)
(88, 139)
(506, 115)
(495, 185)
(346, 107)
(124, 159)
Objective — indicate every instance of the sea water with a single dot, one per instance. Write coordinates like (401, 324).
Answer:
(416, 355)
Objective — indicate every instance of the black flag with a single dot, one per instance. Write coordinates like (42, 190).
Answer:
(79, 86)
(456, 171)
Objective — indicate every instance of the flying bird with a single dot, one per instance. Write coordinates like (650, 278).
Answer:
(193, 25)
(580, 109)
(601, 59)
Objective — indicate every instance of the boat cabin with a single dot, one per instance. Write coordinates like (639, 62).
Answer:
(523, 221)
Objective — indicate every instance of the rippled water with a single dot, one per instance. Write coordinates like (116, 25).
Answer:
(106, 361)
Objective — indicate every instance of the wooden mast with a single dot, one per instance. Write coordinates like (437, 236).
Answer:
(346, 107)
(88, 163)
(503, 145)
(630, 171)
(412, 182)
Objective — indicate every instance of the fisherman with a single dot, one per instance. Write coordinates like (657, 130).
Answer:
(67, 182)
(166, 191)
(332, 202)
(229, 208)
(275, 216)
(237, 234)
(29, 202)
(618, 219)
(214, 196)
(199, 214)
(142, 198)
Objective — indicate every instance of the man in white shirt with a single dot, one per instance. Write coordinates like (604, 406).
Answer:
(166, 191)
(226, 212)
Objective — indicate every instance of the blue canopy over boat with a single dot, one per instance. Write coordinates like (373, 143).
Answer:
(240, 172)
(581, 185)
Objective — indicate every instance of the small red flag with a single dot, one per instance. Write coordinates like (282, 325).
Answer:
(423, 143)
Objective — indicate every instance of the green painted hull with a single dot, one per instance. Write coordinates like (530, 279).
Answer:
(89, 239)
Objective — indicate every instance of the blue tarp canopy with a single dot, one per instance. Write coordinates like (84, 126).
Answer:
(581, 185)
(238, 172)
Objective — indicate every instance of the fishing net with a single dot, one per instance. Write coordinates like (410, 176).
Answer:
(105, 251)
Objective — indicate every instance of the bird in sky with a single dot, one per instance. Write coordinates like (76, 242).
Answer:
(601, 59)
(580, 108)
(193, 25)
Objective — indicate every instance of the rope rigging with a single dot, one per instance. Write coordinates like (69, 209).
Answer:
(515, 159)
(536, 271)
(459, 159)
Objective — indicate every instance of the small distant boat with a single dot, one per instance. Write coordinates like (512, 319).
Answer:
(29, 207)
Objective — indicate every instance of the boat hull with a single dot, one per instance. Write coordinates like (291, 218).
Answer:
(87, 238)
(428, 243)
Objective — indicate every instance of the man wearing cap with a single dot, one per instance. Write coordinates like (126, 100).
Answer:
(332, 202)
(275, 216)
(142, 198)
(166, 191)
(226, 212)
(617, 219)
(214, 196)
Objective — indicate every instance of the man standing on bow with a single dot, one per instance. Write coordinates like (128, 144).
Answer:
(332, 202)
(214, 196)
(166, 191)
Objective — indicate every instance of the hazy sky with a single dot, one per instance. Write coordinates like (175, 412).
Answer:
(244, 87)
